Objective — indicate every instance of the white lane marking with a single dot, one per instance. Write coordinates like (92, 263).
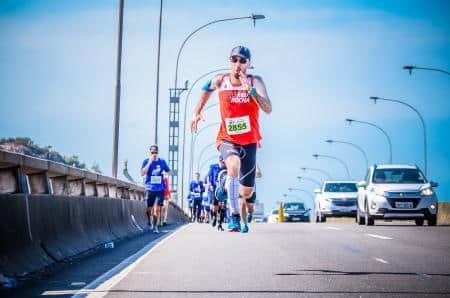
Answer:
(333, 228)
(78, 283)
(380, 260)
(102, 284)
(379, 237)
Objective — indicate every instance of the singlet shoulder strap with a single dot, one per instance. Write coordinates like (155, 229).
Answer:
(220, 79)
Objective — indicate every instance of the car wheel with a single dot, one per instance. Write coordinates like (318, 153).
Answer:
(317, 217)
(368, 218)
(432, 220)
(323, 219)
(419, 222)
(359, 219)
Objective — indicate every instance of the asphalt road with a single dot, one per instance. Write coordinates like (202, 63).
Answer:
(290, 260)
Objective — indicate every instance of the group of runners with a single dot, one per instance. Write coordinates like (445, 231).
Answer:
(241, 96)
(208, 199)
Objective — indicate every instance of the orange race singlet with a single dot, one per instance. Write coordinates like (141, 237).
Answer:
(239, 114)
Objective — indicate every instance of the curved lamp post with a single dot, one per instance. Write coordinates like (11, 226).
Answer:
(334, 158)
(184, 125)
(411, 67)
(317, 170)
(350, 121)
(376, 98)
(300, 178)
(330, 141)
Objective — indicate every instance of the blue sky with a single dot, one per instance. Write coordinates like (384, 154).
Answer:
(321, 60)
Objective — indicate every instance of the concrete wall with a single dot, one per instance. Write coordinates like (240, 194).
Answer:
(444, 213)
(50, 212)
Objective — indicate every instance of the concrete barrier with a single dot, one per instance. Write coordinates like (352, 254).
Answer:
(444, 213)
(50, 212)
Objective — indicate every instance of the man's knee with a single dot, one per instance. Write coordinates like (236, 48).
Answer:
(246, 192)
(233, 164)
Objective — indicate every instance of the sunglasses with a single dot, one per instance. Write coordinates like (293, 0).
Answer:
(241, 60)
(154, 152)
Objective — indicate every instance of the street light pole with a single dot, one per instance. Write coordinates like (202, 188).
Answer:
(193, 142)
(350, 121)
(309, 179)
(354, 146)
(157, 72)
(376, 98)
(411, 67)
(317, 170)
(183, 162)
(203, 152)
(117, 95)
(335, 158)
(175, 101)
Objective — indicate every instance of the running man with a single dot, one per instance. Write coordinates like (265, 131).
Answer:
(153, 169)
(196, 189)
(166, 194)
(211, 180)
(240, 98)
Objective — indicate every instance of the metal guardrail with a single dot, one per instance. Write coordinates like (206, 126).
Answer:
(21, 173)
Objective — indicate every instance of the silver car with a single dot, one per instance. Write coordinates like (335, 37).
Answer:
(396, 192)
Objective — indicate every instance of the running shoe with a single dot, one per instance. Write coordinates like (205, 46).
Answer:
(244, 229)
(235, 223)
(156, 230)
(249, 217)
(151, 225)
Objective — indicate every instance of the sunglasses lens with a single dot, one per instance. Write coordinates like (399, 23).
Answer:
(238, 59)
(154, 152)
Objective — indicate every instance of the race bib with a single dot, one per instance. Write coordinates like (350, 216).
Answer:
(238, 125)
(196, 195)
(155, 179)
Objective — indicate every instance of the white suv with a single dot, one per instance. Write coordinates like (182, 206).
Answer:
(336, 198)
(396, 192)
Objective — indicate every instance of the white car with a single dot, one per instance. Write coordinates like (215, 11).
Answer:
(336, 198)
(273, 216)
(396, 192)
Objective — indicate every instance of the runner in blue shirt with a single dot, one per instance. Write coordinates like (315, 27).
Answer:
(196, 189)
(211, 181)
(153, 169)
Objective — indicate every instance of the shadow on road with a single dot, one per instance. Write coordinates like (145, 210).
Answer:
(337, 272)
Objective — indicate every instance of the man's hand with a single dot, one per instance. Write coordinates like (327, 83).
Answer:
(194, 122)
(243, 79)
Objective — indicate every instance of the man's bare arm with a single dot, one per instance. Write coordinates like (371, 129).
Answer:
(261, 96)
(206, 94)
(144, 170)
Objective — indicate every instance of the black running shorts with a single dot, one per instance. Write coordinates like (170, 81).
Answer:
(247, 154)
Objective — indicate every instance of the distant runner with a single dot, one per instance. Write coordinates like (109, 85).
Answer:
(153, 169)
(211, 180)
(240, 98)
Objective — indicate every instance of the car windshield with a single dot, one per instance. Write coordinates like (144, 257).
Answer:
(294, 207)
(405, 176)
(341, 187)
(274, 212)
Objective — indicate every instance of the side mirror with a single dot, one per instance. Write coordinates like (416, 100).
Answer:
(317, 191)
(362, 184)
(434, 184)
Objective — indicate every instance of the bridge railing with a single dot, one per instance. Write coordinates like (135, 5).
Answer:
(21, 173)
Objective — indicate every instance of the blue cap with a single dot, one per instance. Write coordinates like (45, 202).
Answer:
(241, 51)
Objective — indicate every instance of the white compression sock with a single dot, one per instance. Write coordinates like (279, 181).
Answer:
(233, 194)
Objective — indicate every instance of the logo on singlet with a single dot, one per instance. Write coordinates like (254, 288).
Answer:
(240, 97)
